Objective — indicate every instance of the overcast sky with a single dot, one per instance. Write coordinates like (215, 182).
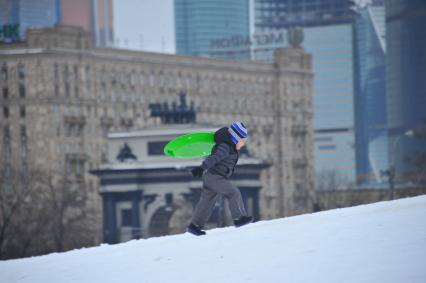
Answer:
(144, 25)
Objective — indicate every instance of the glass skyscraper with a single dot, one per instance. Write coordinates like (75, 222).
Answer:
(30, 14)
(406, 85)
(370, 99)
(329, 37)
(331, 47)
(199, 22)
(273, 15)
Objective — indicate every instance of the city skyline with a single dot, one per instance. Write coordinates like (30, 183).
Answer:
(91, 94)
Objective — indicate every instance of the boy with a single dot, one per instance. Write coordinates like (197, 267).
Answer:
(216, 170)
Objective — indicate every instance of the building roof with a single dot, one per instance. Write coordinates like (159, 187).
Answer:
(161, 130)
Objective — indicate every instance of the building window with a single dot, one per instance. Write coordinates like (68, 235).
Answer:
(22, 90)
(56, 79)
(21, 72)
(22, 111)
(5, 93)
(78, 129)
(75, 166)
(323, 139)
(69, 166)
(4, 73)
(24, 143)
(65, 72)
(6, 112)
(67, 89)
(75, 69)
(299, 173)
(56, 71)
(67, 129)
(327, 147)
(73, 129)
(7, 142)
(66, 83)
(103, 90)
(87, 77)
(156, 148)
(79, 167)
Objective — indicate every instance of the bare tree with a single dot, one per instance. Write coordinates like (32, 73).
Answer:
(335, 191)
(42, 212)
(330, 181)
(22, 216)
(417, 174)
(67, 198)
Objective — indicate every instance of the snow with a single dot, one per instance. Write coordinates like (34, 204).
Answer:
(382, 242)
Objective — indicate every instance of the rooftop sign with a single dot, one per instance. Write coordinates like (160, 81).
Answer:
(246, 41)
(292, 36)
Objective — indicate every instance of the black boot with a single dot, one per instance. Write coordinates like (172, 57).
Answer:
(194, 229)
(243, 220)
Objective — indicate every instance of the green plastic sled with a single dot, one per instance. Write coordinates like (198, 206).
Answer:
(190, 145)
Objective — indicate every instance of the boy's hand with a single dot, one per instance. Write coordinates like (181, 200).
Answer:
(197, 171)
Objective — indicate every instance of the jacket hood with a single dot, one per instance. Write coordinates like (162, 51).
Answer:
(223, 135)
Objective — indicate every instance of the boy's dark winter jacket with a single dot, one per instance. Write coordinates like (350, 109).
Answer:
(224, 155)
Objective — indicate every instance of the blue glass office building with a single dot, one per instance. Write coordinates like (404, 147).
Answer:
(370, 101)
(331, 47)
(272, 15)
(199, 22)
(406, 85)
(329, 37)
(333, 66)
(30, 13)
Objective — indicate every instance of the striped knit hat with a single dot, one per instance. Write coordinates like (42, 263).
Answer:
(238, 131)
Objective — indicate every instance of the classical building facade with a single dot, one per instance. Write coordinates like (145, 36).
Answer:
(60, 97)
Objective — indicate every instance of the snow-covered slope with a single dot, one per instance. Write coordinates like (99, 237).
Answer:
(382, 242)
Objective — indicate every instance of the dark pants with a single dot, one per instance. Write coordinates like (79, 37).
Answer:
(213, 187)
